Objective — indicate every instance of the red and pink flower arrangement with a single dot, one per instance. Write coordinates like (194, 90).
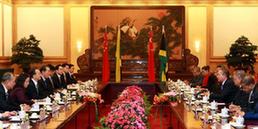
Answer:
(91, 97)
(166, 98)
(128, 111)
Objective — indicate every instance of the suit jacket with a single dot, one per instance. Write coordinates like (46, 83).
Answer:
(44, 88)
(59, 83)
(252, 110)
(32, 92)
(70, 79)
(253, 102)
(51, 86)
(213, 84)
(196, 81)
(5, 105)
(18, 96)
(228, 92)
(241, 99)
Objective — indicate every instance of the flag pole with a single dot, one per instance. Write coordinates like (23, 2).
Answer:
(105, 60)
(163, 29)
(106, 28)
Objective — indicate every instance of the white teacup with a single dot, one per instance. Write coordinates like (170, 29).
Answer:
(14, 126)
(213, 105)
(57, 95)
(34, 115)
(240, 120)
(22, 114)
(205, 98)
(49, 108)
(224, 111)
(74, 93)
(48, 100)
(35, 106)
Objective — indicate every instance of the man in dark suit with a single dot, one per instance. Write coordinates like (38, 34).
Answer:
(51, 73)
(228, 89)
(65, 71)
(45, 81)
(241, 98)
(197, 77)
(35, 89)
(69, 75)
(7, 83)
(58, 77)
(251, 112)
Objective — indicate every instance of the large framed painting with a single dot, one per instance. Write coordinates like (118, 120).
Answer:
(135, 23)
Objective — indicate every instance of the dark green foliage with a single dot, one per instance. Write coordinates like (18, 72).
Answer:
(242, 54)
(26, 52)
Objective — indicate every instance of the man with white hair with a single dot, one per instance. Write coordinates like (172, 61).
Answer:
(7, 83)
(228, 88)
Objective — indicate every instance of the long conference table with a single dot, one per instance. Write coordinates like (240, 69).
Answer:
(81, 115)
(184, 119)
(72, 117)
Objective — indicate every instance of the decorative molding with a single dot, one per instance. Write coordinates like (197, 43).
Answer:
(6, 60)
(66, 20)
(46, 2)
(2, 7)
(8, 2)
(14, 18)
(67, 33)
(211, 58)
(127, 2)
(186, 27)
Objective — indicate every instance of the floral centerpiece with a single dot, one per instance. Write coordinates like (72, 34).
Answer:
(128, 111)
(90, 97)
(88, 86)
(166, 98)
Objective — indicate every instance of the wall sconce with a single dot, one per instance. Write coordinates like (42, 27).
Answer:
(197, 45)
(79, 46)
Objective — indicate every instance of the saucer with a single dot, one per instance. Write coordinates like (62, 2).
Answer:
(15, 119)
(202, 101)
(44, 103)
(34, 110)
(61, 103)
(34, 117)
(223, 116)
(188, 103)
(212, 108)
(236, 125)
(209, 117)
(199, 109)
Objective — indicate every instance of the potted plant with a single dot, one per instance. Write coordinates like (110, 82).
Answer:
(26, 52)
(242, 55)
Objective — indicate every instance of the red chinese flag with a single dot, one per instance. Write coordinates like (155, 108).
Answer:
(151, 61)
(105, 65)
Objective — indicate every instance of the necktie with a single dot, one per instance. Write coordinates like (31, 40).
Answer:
(64, 78)
(37, 88)
(45, 82)
(250, 97)
(51, 81)
(59, 79)
(6, 95)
